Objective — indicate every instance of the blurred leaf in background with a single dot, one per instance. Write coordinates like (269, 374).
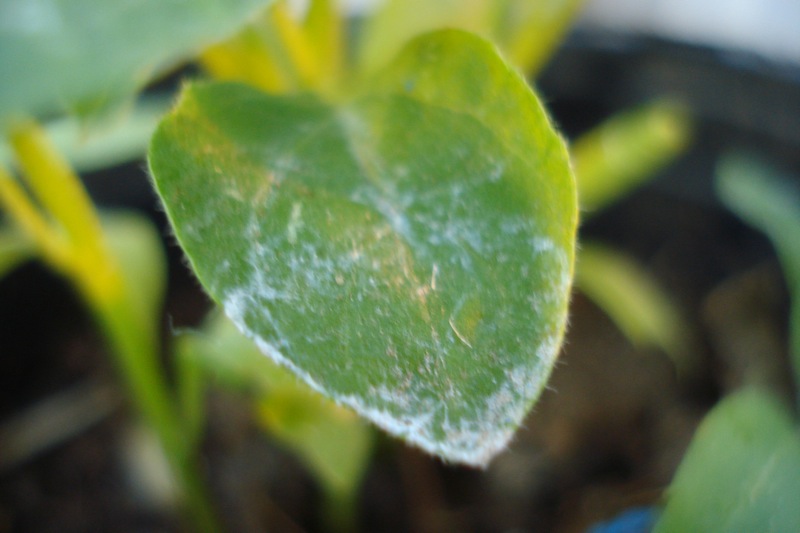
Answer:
(90, 147)
(769, 201)
(333, 443)
(526, 32)
(609, 162)
(85, 55)
(627, 150)
(281, 53)
(742, 470)
(632, 298)
(136, 244)
(741, 473)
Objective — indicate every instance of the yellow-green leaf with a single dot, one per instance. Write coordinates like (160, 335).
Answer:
(626, 150)
(632, 298)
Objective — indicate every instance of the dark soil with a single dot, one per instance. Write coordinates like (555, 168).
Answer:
(606, 436)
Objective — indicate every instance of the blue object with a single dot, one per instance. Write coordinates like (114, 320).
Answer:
(636, 520)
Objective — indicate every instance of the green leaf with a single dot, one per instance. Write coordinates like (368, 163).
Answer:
(83, 54)
(632, 299)
(408, 253)
(626, 150)
(765, 198)
(741, 473)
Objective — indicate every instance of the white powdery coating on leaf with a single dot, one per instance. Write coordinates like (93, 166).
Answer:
(477, 442)
(235, 307)
(473, 441)
(408, 414)
(543, 244)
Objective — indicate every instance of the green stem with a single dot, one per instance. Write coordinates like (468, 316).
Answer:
(339, 510)
(135, 354)
(75, 246)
